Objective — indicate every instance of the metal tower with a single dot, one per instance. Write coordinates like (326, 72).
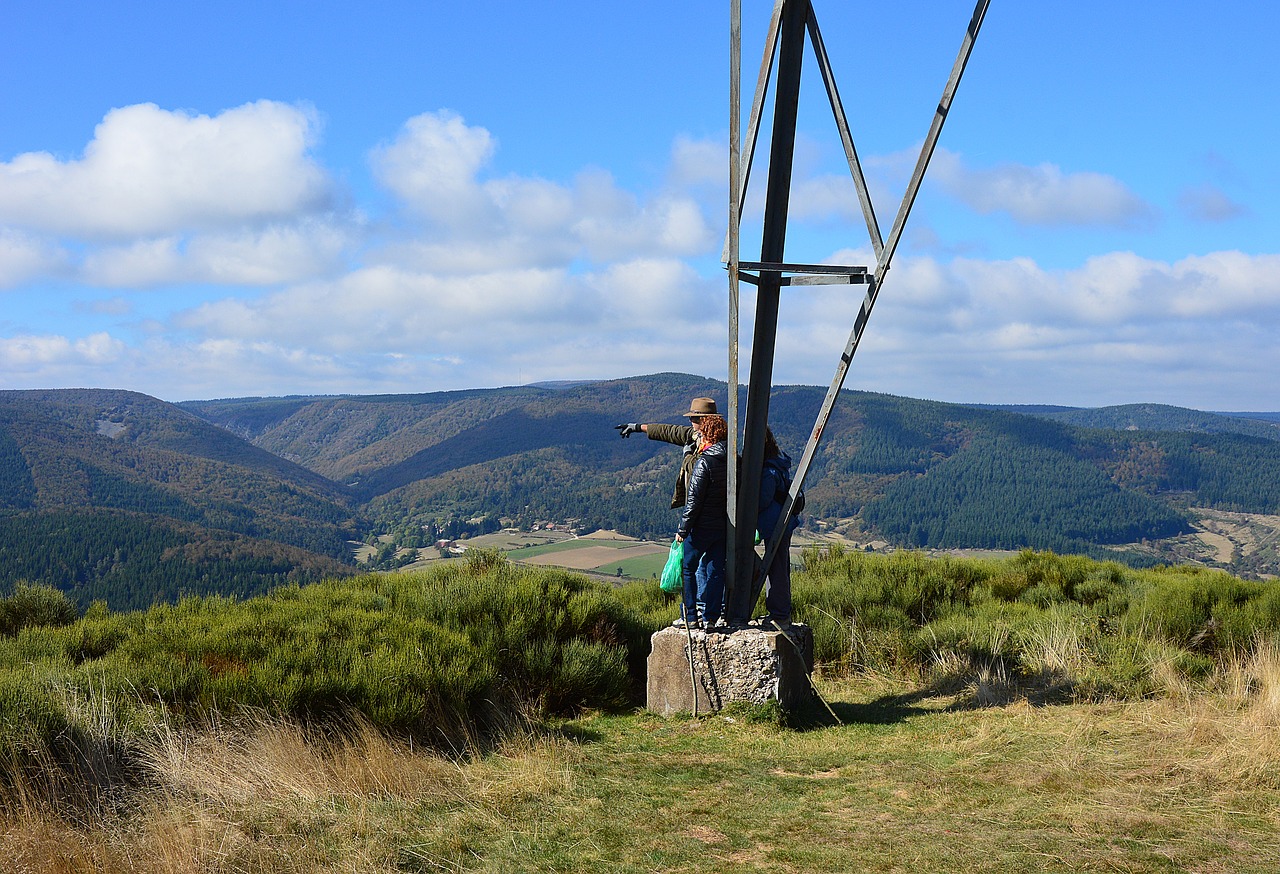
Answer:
(791, 22)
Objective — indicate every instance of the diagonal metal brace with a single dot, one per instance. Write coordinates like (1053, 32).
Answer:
(873, 287)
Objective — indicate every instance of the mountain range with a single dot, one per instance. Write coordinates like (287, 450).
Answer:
(118, 496)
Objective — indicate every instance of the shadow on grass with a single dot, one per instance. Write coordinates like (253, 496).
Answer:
(888, 710)
(946, 695)
(576, 733)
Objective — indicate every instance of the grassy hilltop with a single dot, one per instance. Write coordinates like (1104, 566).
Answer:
(1035, 713)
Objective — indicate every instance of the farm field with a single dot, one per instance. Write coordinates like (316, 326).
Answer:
(602, 551)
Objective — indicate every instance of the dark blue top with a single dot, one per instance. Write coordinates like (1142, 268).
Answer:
(775, 478)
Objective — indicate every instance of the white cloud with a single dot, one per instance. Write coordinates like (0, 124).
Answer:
(696, 163)
(23, 257)
(1117, 329)
(470, 316)
(432, 165)
(435, 167)
(27, 353)
(153, 172)
(1042, 195)
(271, 255)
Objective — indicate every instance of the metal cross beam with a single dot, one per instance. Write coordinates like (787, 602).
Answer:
(790, 21)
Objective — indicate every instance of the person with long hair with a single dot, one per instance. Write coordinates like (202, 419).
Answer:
(775, 480)
(704, 525)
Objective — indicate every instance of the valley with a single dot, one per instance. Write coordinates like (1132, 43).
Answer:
(115, 496)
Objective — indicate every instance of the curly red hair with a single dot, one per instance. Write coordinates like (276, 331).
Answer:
(714, 429)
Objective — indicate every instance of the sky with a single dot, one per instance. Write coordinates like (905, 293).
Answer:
(236, 199)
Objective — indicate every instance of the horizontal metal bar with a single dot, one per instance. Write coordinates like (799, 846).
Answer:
(829, 279)
(776, 267)
(853, 279)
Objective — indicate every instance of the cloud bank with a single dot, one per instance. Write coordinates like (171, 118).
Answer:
(257, 276)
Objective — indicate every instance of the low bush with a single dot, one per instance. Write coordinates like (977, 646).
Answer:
(35, 605)
(1068, 624)
(453, 657)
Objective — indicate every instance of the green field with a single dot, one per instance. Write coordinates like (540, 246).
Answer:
(562, 546)
(645, 567)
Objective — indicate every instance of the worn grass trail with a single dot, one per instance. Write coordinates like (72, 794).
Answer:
(907, 787)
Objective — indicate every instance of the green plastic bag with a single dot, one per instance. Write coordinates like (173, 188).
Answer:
(673, 572)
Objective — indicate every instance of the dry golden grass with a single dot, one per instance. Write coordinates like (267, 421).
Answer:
(268, 759)
(1112, 786)
(266, 795)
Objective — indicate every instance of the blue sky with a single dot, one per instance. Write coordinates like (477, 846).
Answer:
(228, 199)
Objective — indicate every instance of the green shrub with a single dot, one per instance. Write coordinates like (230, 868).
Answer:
(31, 605)
(1098, 629)
(450, 656)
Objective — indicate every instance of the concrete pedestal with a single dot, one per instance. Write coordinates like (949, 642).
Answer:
(748, 665)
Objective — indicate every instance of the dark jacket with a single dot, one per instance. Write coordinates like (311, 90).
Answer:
(680, 435)
(704, 507)
(775, 479)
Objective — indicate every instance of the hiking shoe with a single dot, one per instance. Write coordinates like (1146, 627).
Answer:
(680, 623)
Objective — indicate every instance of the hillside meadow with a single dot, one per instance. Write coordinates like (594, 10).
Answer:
(1040, 712)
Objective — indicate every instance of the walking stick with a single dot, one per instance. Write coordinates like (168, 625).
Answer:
(693, 682)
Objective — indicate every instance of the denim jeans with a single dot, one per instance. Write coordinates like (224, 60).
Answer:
(704, 563)
(777, 586)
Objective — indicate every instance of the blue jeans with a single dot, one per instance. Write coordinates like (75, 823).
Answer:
(777, 587)
(704, 562)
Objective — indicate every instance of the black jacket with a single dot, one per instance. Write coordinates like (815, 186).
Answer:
(705, 506)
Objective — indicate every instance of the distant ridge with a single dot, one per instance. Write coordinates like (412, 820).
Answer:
(1161, 417)
(118, 495)
(1029, 409)
(1266, 417)
(910, 472)
(559, 384)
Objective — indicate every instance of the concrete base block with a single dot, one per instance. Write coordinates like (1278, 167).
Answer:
(747, 665)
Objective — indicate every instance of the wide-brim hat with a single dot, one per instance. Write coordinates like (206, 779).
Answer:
(701, 407)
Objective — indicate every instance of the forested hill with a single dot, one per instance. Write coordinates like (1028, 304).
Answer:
(1159, 417)
(916, 473)
(117, 495)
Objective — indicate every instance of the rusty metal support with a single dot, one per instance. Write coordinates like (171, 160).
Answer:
(773, 243)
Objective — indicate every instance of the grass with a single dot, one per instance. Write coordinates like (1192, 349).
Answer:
(1039, 713)
(911, 782)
